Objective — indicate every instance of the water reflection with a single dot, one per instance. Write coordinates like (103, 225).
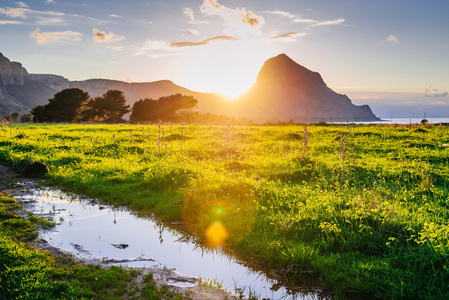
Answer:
(94, 231)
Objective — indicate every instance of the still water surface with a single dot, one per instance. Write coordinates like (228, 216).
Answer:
(92, 231)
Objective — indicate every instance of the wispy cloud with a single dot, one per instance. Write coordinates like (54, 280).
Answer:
(14, 12)
(48, 21)
(239, 21)
(115, 16)
(155, 47)
(299, 19)
(24, 12)
(429, 92)
(392, 38)
(303, 20)
(102, 36)
(50, 1)
(192, 31)
(203, 42)
(46, 37)
(189, 13)
(330, 22)
(21, 4)
(428, 89)
(289, 37)
(281, 13)
(114, 48)
(2, 22)
(42, 17)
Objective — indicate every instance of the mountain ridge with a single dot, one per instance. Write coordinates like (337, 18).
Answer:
(284, 90)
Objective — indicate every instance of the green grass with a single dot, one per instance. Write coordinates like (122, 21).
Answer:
(364, 209)
(27, 273)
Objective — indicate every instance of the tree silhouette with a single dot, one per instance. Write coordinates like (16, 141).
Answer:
(13, 118)
(164, 109)
(40, 115)
(26, 118)
(109, 108)
(65, 106)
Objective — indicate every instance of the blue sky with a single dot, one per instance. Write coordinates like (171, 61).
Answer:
(357, 46)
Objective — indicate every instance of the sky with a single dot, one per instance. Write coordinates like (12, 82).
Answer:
(361, 48)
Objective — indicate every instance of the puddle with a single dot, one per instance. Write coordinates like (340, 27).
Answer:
(100, 233)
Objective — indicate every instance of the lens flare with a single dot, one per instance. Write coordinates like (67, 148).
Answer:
(219, 221)
(216, 235)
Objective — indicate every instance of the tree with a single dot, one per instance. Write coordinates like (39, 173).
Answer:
(109, 108)
(164, 109)
(12, 118)
(40, 115)
(15, 117)
(26, 118)
(144, 110)
(7, 118)
(65, 106)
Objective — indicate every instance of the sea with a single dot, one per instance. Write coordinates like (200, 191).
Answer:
(407, 121)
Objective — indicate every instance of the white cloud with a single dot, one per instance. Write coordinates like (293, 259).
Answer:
(102, 36)
(281, 13)
(189, 13)
(14, 12)
(46, 37)
(298, 19)
(192, 31)
(115, 16)
(289, 37)
(23, 12)
(159, 48)
(330, 22)
(392, 38)
(21, 4)
(240, 21)
(48, 21)
(429, 92)
(114, 48)
(50, 1)
(203, 42)
(2, 22)
(302, 20)
(150, 45)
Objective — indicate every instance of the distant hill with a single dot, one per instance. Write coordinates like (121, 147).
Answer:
(284, 91)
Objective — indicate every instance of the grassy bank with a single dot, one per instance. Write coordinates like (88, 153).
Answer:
(27, 273)
(362, 209)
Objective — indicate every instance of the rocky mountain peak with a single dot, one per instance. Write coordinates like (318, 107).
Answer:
(11, 72)
(283, 71)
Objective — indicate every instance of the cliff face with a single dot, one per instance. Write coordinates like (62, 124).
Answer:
(55, 82)
(20, 91)
(11, 72)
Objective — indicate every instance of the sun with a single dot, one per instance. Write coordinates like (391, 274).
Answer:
(227, 68)
(227, 77)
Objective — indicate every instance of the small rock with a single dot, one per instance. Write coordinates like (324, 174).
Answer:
(35, 169)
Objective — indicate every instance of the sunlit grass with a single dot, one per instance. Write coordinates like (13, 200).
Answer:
(362, 209)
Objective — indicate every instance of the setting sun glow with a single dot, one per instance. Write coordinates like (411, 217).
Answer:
(223, 68)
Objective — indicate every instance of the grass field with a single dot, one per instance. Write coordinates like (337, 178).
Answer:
(363, 209)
